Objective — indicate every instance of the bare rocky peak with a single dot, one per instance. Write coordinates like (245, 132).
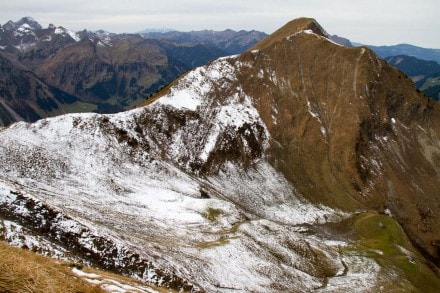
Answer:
(341, 41)
(9, 25)
(27, 22)
(32, 23)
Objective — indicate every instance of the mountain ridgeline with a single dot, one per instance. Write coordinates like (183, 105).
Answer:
(299, 165)
(407, 50)
(229, 41)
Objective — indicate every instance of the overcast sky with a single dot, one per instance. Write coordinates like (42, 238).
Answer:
(374, 22)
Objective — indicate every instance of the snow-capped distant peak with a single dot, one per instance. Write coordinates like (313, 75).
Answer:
(104, 38)
(29, 23)
(25, 26)
(65, 32)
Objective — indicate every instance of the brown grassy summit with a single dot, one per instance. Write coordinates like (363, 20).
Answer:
(347, 129)
(291, 28)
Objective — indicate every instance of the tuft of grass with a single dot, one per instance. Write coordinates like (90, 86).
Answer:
(209, 244)
(212, 214)
(234, 228)
(223, 240)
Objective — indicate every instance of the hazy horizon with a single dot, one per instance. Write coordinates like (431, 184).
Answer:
(370, 22)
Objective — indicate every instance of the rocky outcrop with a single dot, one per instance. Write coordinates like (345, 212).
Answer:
(87, 245)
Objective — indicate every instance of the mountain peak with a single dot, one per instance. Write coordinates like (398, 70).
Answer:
(292, 27)
(25, 23)
(29, 21)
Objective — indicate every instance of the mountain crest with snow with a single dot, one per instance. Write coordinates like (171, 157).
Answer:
(30, 22)
(296, 26)
(300, 165)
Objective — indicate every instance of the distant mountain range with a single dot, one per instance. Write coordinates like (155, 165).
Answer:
(425, 74)
(230, 41)
(24, 96)
(99, 71)
(414, 67)
(420, 64)
(405, 49)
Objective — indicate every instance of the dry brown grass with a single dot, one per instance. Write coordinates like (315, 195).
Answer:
(24, 271)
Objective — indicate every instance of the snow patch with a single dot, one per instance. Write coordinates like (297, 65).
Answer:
(399, 60)
(362, 275)
(187, 99)
(84, 274)
(388, 213)
(111, 285)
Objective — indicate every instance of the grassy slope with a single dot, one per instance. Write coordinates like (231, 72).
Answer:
(384, 240)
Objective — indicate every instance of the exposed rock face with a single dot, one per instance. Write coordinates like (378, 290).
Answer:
(254, 172)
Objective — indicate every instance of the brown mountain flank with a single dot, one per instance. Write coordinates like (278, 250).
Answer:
(348, 130)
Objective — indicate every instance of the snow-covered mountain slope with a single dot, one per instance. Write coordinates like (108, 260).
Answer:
(200, 190)
(124, 179)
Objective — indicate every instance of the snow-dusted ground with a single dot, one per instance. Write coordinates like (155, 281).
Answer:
(111, 285)
(130, 177)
